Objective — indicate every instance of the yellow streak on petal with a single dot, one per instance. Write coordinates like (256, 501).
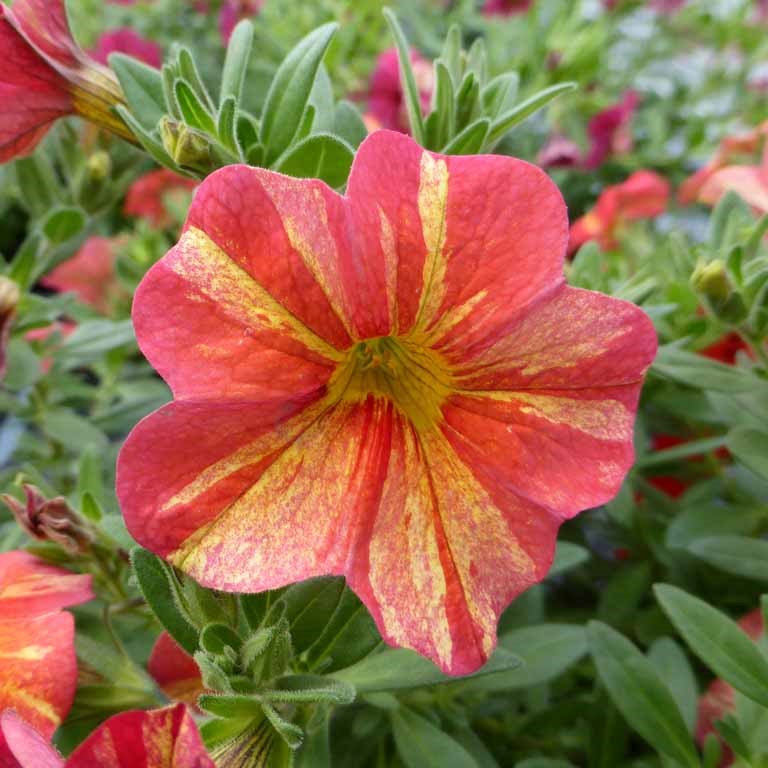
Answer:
(387, 240)
(28, 653)
(252, 453)
(406, 574)
(604, 419)
(432, 202)
(14, 696)
(213, 273)
(157, 739)
(450, 320)
(318, 251)
(484, 551)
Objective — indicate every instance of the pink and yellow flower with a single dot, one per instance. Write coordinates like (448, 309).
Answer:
(157, 738)
(386, 100)
(44, 75)
(128, 41)
(146, 197)
(175, 671)
(39, 670)
(90, 274)
(644, 195)
(396, 386)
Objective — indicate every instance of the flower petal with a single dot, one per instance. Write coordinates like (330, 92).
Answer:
(158, 738)
(203, 456)
(288, 234)
(21, 746)
(746, 181)
(174, 670)
(38, 669)
(448, 246)
(229, 338)
(29, 586)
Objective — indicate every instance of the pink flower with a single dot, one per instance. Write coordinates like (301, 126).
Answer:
(559, 152)
(233, 11)
(147, 196)
(90, 274)
(610, 130)
(386, 102)
(128, 41)
(506, 7)
(750, 182)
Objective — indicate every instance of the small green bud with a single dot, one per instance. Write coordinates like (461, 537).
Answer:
(712, 280)
(99, 166)
(187, 147)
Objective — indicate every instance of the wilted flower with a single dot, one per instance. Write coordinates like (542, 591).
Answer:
(9, 299)
(386, 101)
(50, 520)
(39, 670)
(157, 738)
(505, 7)
(128, 41)
(89, 274)
(610, 131)
(44, 75)
(395, 386)
(174, 670)
(643, 195)
(146, 197)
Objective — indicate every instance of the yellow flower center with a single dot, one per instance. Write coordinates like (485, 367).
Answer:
(414, 378)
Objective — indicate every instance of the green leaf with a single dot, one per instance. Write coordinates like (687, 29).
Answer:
(143, 88)
(192, 109)
(500, 94)
(302, 689)
(63, 224)
(188, 71)
(526, 108)
(546, 650)
(289, 93)
(471, 140)
(567, 556)
(147, 140)
(698, 371)
(68, 428)
(421, 744)
(444, 104)
(407, 78)
(451, 52)
(670, 661)
(640, 694)
(750, 447)
(719, 642)
(320, 156)
(236, 61)
(40, 189)
(400, 669)
(308, 607)
(739, 555)
(225, 125)
(214, 638)
(92, 339)
(348, 124)
(154, 578)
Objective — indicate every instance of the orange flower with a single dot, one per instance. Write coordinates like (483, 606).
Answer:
(39, 670)
(395, 385)
(643, 195)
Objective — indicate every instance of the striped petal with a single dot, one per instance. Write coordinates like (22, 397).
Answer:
(38, 669)
(174, 670)
(29, 586)
(448, 246)
(158, 738)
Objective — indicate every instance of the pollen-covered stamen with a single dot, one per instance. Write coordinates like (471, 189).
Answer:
(414, 378)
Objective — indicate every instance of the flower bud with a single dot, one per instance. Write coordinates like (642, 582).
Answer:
(187, 147)
(51, 520)
(712, 280)
(99, 166)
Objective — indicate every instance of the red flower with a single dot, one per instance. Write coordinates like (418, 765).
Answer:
(90, 274)
(45, 76)
(174, 670)
(610, 131)
(395, 385)
(719, 699)
(146, 196)
(9, 299)
(731, 148)
(643, 195)
(386, 102)
(158, 738)
(39, 670)
(506, 7)
(725, 349)
(128, 41)
(233, 11)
